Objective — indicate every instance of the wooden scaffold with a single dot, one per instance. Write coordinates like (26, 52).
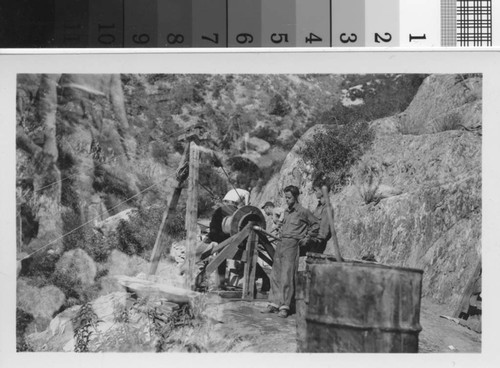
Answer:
(248, 241)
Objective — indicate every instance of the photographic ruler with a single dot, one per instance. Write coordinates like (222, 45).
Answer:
(246, 23)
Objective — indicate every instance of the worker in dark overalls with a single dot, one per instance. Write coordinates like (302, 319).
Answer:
(233, 200)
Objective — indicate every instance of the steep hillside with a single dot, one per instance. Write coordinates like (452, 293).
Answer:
(97, 156)
(412, 200)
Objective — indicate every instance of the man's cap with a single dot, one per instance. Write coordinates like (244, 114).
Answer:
(237, 196)
(267, 204)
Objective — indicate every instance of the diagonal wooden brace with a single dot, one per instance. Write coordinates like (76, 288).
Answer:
(229, 249)
(267, 245)
(265, 258)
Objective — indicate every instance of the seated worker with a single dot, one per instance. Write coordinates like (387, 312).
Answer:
(276, 215)
(233, 200)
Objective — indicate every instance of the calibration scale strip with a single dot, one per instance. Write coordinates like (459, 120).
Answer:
(247, 23)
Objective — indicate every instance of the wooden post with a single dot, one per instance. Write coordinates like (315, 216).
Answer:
(163, 238)
(192, 214)
(329, 210)
(250, 265)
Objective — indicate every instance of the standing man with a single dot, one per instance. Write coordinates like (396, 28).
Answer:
(300, 227)
(325, 233)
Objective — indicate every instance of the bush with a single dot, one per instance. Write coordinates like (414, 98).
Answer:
(23, 319)
(336, 150)
(368, 181)
(278, 106)
(451, 121)
(138, 235)
(160, 152)
(267, 134)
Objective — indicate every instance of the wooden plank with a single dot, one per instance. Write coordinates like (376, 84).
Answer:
(163, 238)
(250, 265)
(239, 237)
(149, 288)
(265, 259)
(192, 214)
(227, 253)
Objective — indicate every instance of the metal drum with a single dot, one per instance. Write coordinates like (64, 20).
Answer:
(238, 220)
(358, 307)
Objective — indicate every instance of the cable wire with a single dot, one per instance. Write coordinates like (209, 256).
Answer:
(228, 178)
(88, 222)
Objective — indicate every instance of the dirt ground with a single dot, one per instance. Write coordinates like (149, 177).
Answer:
(258, 332)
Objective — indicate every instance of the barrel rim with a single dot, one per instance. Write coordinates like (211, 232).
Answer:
(341, 323)
(355, 262)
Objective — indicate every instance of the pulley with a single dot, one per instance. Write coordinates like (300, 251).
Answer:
(241, 217)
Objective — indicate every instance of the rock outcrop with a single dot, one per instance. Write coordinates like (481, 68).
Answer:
(420, 206)
(59, 336)
(433, 224)
(445, 102)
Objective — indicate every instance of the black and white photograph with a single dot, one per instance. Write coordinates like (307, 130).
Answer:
(256, 213)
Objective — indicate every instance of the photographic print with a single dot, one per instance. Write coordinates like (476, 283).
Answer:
(249, 213)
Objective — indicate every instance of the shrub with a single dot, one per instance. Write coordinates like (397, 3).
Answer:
(336, 150)
(278, 106)
(138, 235)
(23, 319)
(367, 179)
(130, 334)
(160, 152)
(266, 133)
(452, 121)
(84, 325)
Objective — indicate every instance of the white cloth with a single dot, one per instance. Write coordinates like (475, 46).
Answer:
(238, 196)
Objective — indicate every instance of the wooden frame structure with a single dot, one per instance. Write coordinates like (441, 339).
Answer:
(247, 245)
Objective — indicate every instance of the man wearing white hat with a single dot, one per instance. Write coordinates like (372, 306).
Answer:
(239, 197)
(234, 199)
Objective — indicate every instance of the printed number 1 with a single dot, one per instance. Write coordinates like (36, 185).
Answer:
(412, 37)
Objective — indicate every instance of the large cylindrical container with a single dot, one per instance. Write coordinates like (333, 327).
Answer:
(358, 307)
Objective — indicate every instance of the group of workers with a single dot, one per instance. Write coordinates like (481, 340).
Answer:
(299, 231)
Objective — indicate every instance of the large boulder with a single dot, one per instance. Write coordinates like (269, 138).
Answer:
(59, 336)
(257, 144)
(41, 303)
(119, 263)
(77, 267)
(111, 223)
